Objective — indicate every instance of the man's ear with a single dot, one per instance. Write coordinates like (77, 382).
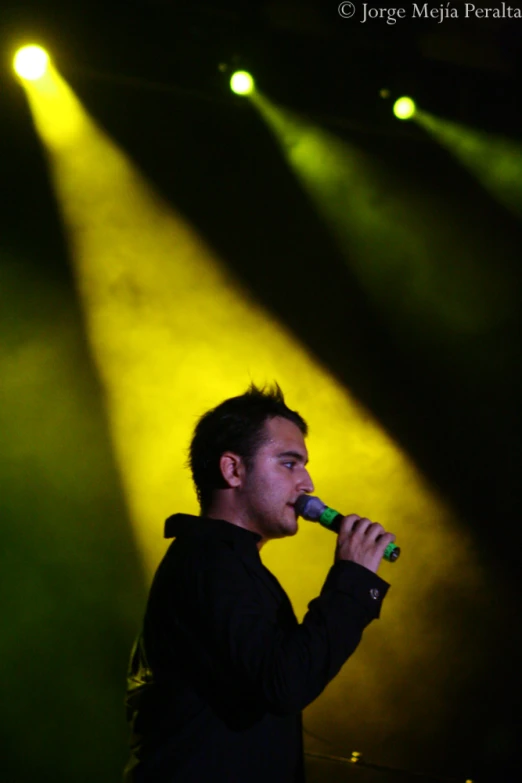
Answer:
(232, 468)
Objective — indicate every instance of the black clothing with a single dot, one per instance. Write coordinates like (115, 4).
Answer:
(222, 669)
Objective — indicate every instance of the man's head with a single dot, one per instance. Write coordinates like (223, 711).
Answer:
(248, 455)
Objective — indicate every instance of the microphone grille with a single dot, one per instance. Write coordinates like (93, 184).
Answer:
(309, 507)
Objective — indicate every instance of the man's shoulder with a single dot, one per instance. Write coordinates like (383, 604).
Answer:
(190, 554)
(187, 565)
(209, 538)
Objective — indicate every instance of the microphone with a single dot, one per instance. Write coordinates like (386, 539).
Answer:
(314, 510)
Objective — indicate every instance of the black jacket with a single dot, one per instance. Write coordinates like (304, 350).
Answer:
(222, 669)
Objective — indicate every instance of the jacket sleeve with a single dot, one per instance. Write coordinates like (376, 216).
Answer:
(285, 667)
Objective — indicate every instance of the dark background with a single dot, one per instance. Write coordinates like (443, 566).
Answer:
(149, 74)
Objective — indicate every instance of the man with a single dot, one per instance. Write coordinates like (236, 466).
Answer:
(222, 669)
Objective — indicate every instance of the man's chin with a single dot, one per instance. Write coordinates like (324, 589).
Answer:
(291, 526)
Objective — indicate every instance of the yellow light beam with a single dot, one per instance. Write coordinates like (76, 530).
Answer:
(494, 160)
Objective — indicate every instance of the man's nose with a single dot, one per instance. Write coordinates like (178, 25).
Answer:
(306, 484)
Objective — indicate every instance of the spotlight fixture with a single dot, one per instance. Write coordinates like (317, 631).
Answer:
(30, 62)
(404, 108)
(242, 83)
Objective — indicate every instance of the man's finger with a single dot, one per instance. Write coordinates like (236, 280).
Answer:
(348, 522)
(374, 531)
(385, 539)
(362, 525)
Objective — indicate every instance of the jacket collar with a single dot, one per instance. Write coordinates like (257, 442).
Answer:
(243, 541)
(203, 527)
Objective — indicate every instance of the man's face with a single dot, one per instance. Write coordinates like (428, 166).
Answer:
(276, 479)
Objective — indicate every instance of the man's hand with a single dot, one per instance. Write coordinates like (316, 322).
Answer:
(362, 541)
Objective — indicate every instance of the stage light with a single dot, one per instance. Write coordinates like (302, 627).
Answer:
(242, 83)
(404, 108)
(31, 62)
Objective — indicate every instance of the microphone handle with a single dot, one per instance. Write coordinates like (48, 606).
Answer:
(331, 519)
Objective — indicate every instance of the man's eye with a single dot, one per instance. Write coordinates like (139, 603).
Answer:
(289, 464)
